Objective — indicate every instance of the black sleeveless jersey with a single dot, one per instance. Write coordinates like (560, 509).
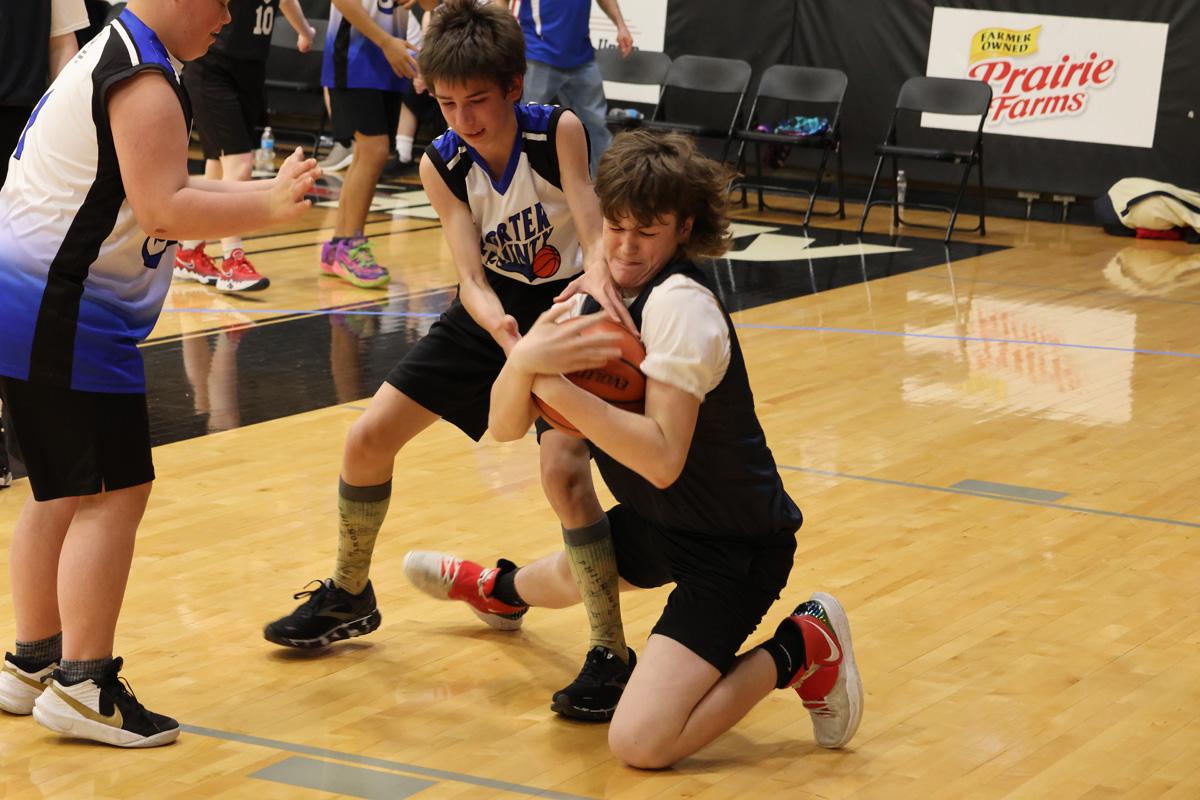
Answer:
(730, 487)
(248, 35)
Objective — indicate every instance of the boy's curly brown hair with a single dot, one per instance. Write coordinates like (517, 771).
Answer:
(649, 174)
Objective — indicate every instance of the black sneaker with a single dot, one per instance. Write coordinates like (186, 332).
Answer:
(103, 709)
(594, 694)
(330, 614)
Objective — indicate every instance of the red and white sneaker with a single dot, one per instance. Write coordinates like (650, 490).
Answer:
(449, 578)
(829, 683)
(239, 275)
(195, 265)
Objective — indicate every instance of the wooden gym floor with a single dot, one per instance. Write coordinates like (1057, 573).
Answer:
(994, 446)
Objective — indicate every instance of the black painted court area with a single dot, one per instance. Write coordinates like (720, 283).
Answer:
(246, 375)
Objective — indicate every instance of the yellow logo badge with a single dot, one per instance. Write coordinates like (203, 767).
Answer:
(1003, 43)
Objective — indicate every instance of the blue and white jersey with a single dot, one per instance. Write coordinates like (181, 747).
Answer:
(557, 31)
(526, 230)
(351, 60)
(80, 283)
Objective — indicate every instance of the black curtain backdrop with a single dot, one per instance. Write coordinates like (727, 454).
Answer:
(881, 43)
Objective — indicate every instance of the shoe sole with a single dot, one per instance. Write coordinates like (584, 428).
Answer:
(420, 575)
(187, 275)
(19, 704)
(255, 286)
(561, 704)
(854, 690)
(347, 630)
(52, 713)
(339, 166)
(359, 282)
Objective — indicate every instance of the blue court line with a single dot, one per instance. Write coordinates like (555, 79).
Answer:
(1026, 501)
(736, 325)
(366, 761)
(300, 312)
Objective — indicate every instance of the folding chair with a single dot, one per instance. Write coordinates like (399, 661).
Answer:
(722, 81)
(937, 96)
(643, 67)
(811, 89)
(294, 82)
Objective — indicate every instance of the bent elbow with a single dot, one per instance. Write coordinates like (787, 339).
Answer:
(665, 474)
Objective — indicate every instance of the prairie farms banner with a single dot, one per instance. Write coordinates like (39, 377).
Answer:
(1072, 78)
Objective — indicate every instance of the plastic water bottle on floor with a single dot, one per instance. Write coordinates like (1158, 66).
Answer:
(265, 157)
(901, 188)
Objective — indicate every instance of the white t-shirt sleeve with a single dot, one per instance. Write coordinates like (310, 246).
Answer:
(67, 16)
(686, 338)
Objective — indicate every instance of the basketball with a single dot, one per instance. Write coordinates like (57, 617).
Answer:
(620, 382)
(546, 262)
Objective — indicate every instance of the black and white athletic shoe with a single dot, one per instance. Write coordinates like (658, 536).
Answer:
(330, 614)
(594, 694)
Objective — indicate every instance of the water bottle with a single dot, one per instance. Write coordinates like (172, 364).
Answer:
(266, 150)
(901, 187)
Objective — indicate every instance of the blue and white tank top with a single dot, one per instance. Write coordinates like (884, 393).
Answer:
(80, 283)
(351, 60)
(526, 230)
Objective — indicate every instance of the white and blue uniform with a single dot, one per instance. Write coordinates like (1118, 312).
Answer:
(523, 212)
(451, 370)
(80, 283)
(351, 60)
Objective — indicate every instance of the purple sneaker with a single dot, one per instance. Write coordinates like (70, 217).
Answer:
(352, 260)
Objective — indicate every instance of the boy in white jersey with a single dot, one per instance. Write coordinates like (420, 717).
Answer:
(97, 194)
(700, 501)
(511, 186)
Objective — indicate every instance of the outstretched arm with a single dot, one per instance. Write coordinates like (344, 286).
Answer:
(396, 50)
(151, 141)
(462, 237)
(596, 280)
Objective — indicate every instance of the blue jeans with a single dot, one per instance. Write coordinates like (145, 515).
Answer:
(580, 89)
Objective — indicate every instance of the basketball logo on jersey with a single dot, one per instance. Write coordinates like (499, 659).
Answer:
(153, 249)
(387, 6)
(521, 244)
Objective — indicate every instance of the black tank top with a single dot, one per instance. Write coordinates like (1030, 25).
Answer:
(730, 486)
(248, 35)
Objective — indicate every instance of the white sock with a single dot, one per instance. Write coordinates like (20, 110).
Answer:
(230, 245)
(404, 146)
(189, 244)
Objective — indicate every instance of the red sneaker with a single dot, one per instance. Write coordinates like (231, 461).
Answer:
(194, 265)
(239, 275)
(448, 578)
(829, 683)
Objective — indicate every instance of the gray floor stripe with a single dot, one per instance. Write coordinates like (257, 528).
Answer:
(990, 496)
(438, 774)
(329, 776)
(1008, 490)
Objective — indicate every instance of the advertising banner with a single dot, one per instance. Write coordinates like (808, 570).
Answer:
(1070, 78)
(647, 23)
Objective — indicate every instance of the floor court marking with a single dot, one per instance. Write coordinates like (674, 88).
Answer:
(741, 326)
(379, 763)
(990, 496)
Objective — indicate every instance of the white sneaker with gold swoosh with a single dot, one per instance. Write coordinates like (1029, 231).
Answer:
(102, 709)
(21, 684)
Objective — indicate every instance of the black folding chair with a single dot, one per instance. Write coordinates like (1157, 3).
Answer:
(642, 67)
(936, 96)
(702, 96)
(816, 92)
(294, 83)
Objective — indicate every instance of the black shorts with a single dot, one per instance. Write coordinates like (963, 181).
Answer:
(371, 112)
(229, 102)
(723, 587)
(451, 369)
(77, 443)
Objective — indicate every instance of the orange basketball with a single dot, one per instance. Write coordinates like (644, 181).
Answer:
(546, 262)
(620, 381)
